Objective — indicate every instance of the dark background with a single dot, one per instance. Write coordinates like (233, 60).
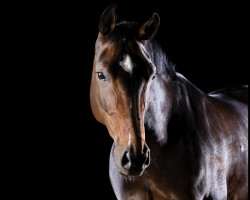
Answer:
(66, 151)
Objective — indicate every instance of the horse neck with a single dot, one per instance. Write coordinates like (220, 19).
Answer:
(173, 109)
(174, 102)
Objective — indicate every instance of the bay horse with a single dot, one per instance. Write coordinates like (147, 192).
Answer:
(171, 140)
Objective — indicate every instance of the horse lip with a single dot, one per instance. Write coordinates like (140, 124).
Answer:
(132, 172)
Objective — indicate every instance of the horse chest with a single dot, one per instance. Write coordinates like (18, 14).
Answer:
(151, 185)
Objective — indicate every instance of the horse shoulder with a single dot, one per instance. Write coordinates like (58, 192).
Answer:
(230, 105)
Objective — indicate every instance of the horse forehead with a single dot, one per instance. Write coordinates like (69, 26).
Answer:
(107, 52)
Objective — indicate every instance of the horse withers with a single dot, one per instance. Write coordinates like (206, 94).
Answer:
(171, 140)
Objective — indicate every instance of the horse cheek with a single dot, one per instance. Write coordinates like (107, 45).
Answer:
(95, 102)
(108, 98)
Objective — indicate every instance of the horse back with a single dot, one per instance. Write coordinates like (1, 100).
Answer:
(230, 108)
(238, 93)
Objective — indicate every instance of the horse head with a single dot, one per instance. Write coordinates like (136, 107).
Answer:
(121, 78)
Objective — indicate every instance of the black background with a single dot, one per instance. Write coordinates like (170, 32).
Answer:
(66, 151)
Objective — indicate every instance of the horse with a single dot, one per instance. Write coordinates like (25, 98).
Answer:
(171, 139)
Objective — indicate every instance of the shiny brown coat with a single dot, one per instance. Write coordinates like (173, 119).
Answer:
(171, 140)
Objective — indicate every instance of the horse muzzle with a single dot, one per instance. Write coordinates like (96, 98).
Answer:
(134, 163)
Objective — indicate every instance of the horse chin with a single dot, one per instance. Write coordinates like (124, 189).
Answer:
(130, 172)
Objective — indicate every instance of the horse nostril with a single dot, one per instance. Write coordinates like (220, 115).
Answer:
(147, 161)
(146, 153)
(126, 162)
(135, 163)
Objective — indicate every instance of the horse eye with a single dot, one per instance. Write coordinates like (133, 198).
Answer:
(153, 77)
(101, 76)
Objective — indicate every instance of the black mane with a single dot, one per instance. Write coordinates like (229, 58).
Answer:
(159, 58)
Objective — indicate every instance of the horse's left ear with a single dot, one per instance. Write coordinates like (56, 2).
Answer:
(148, 29)
(108, 20)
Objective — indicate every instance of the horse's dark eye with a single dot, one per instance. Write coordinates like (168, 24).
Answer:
(153, 77)
(101, 76)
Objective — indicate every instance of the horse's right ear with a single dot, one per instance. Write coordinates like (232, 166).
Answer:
(108, 20)
(148, 29)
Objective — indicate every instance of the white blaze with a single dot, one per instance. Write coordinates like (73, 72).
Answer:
(129, 140)
(126, 63)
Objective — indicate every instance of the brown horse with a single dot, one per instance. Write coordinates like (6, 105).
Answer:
(171, 140)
